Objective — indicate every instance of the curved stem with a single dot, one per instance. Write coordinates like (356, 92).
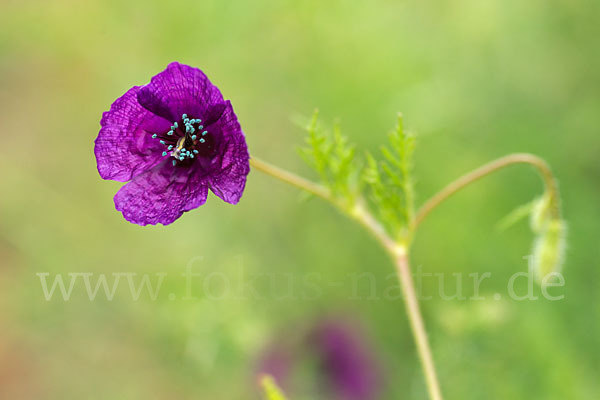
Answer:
(291, 179)
(418, 327)
(465, 180)
(397, 251)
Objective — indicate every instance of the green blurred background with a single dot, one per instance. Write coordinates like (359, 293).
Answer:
(475, 80)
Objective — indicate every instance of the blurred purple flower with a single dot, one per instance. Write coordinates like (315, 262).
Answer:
(172, 139)
(349, 368)
(346, 366)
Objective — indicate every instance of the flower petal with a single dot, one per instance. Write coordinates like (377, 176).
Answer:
(179, 89)
(229, 180)
(124, 147)
(161, 195)
(156, 105)
(213, 114)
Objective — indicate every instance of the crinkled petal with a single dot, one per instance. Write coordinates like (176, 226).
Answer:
(179, 89)
(229, 180)
(161, 195)
(124, 147)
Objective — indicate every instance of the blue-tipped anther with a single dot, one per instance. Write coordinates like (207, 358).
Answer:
(202, 140)
(175, 124)
(154, 136)
(195, 151)
(170, 147)
(162, 142)
(204, 133)
(164, 153)
(191, 156)
(174, 162)
(170, 132)
(184, 116)
(194, 137)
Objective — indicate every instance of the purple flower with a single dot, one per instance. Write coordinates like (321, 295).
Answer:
(346, 361)
(346, 365)
(172, 140)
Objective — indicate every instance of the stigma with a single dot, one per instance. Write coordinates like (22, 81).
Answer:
(184, 140)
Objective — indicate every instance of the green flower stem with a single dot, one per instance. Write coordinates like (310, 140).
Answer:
(465, 180)
(291, 179)
(398, 252)
(417, 325)
(360, 214)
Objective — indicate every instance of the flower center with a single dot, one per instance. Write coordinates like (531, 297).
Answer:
(185, 140)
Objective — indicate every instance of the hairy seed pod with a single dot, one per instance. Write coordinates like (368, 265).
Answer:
(549, 249)
(540, 214)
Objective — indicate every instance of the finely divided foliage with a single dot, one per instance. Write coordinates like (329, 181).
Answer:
(386, 186)
(390, 181)
(334, 160)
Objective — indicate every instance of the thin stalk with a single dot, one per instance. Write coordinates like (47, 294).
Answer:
(291, 179)
(397, 251)
(465, 180)
(417, 325)
(361, 215)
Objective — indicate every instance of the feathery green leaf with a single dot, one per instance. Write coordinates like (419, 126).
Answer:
(333, 158)
(390, 181)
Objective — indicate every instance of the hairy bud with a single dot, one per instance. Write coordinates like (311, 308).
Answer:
(540, 214)
(549, 248)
